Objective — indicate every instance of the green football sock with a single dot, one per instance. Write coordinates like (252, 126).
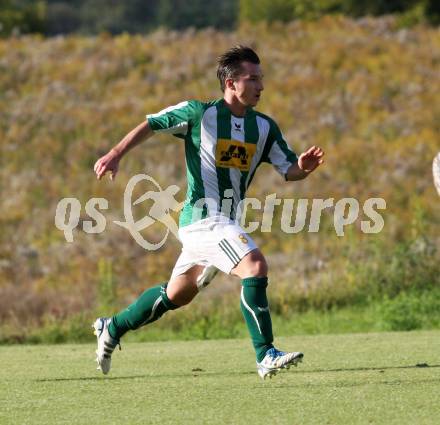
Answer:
(151, 305)
(255, 309)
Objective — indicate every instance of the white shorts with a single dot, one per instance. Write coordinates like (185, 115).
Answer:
(215, 243)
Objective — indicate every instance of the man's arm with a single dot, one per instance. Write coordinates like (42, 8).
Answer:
(110, 161)
(307, 162)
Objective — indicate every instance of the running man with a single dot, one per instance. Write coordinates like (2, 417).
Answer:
(225, 142)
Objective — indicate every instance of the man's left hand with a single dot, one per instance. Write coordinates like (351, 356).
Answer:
(310, 159)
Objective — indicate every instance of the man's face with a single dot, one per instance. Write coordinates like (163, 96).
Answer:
(248, 85)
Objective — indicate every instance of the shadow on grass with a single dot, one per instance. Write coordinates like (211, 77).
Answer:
(210, 374)
(365, 369)
(114, 378)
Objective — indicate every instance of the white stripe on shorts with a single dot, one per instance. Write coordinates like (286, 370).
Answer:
(229, 251)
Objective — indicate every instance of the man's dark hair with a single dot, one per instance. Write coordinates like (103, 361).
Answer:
(229, 63)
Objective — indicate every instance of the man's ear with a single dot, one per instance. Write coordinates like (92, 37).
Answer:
(230, 84)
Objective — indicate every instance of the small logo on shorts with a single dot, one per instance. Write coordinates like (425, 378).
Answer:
(243, 238)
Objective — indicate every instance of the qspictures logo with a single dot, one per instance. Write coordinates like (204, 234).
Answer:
(68, 213)
(297, 215)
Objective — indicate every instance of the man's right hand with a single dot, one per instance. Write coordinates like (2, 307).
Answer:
(107, 163)
(110, 162)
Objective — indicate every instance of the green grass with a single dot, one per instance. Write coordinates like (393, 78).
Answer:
(345, 379)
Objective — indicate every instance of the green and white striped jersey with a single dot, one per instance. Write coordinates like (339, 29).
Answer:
(222, 153)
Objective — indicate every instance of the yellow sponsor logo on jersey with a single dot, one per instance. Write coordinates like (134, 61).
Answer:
(234, 154)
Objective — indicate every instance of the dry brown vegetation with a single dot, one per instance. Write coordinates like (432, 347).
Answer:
(365, 91)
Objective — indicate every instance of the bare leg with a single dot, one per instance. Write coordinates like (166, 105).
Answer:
(183, 288)
(251, 265)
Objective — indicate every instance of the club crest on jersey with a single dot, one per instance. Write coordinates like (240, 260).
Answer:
(234, 154)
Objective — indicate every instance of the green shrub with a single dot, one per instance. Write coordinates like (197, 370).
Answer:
(412, 310)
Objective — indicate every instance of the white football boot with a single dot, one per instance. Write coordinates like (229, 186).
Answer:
(106, 344)
(276, 360)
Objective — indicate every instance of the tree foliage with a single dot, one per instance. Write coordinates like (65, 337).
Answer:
(52, 17)
(288, 10)
(94, 16)
(22, 16)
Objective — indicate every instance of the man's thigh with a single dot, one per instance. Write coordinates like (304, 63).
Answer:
(181, 289)
(213, 245)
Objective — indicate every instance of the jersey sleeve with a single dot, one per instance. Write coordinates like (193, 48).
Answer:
(173, 120)
(279, 153)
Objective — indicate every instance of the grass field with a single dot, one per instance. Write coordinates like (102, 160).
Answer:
(383, 378)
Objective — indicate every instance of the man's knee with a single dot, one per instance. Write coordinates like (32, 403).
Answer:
(181, 296)
(182, 289)
(258, 268)
(252, 265)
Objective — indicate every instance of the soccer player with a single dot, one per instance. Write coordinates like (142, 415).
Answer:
(225, 142)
